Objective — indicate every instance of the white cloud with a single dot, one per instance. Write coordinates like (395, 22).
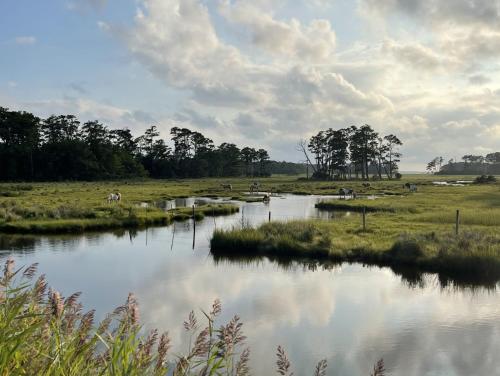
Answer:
(479, 79)
(442, 13)
(177, 41)
(103, 26)
(314, 42)
(463, 29)
(416, 55)
(25, 40)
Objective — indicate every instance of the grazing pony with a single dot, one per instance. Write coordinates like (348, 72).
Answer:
(254, 187)
(344, 193)
(228, 187)
(114, 197)
(411, 187)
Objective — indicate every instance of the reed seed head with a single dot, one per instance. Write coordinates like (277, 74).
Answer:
(242, 368)
(216, 308)
(133, 309)
(202, 344)
(8, 270)
(282, 363)
(321, 368)
(379, 368)
(163, 347)
(191, 322)
(56, 304)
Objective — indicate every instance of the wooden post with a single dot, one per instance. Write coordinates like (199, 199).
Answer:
(173, 236)
(269, 216)
(364, 218)
(194, 228)
(457, 222)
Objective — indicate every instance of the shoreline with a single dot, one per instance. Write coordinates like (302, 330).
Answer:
(475, 255)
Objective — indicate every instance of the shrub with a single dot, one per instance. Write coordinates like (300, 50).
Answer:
(483, 179)
(406, 249)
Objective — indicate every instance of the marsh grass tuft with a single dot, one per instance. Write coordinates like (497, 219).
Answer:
(288, 238)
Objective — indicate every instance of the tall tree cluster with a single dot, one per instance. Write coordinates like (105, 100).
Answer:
(469, 164)
(354, 152)
(61, 148)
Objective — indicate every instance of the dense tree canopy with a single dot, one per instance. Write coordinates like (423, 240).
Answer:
(61, 148)
(342, 153)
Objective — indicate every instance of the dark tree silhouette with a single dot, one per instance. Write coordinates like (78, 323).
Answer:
(338, 154)
(60, 148)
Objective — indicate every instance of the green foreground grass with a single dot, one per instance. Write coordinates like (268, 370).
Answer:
(43, 333)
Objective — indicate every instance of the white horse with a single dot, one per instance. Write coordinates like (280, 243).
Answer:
(114, 197)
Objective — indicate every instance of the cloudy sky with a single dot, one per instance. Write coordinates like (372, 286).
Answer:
(263, 73)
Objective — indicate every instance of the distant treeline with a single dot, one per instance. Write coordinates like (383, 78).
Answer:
(287, 168)
(353, 152)
(468, 165)
(61, 148)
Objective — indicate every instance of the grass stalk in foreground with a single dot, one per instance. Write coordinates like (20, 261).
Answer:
(42, 333)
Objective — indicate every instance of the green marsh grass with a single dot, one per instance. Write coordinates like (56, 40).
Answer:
(15, 218)
(78, 204)
(468, 253)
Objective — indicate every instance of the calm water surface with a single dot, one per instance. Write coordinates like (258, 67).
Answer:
(349, 314)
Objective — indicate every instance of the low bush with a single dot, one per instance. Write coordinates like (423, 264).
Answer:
(483, 179)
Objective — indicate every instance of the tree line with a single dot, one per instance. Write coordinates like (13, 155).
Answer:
(469, 164)
(353, 152)
(62, 148)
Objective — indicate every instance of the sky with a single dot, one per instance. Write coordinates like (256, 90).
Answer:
(263, 73)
